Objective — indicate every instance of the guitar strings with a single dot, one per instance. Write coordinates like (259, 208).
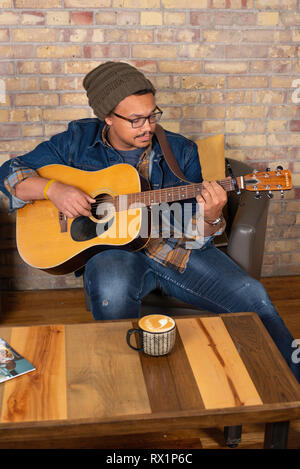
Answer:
(185, 192)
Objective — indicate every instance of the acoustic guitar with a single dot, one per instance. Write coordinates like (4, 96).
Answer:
(49, 241)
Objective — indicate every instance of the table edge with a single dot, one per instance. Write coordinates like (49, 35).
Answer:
(201, 418)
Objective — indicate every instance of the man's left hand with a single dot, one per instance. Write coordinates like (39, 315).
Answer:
(214, 197)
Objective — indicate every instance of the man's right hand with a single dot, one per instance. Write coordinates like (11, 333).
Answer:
(70, 200)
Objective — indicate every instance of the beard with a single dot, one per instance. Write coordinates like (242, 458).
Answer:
(144, 139)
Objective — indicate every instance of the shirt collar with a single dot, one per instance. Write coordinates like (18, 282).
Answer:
(104, 135)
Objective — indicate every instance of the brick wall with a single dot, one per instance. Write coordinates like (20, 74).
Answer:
(226, 66)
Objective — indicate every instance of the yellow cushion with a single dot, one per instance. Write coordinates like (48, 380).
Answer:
(212, 157)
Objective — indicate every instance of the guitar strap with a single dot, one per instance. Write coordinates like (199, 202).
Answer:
(168, 153)
(172, 162)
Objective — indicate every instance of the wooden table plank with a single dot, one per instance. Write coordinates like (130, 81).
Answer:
(104, 375)
(170, 381)
(221, 376)
(41, 394)
(266, 366)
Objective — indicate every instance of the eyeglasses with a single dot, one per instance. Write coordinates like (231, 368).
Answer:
(140, 121)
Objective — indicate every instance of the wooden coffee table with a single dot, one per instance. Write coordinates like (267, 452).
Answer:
(224, 371)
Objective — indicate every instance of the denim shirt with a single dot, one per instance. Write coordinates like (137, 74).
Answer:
(81, 146)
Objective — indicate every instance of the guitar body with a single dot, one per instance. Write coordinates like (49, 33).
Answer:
(48, 241)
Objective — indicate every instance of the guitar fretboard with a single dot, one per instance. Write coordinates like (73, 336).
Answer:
(170, 194)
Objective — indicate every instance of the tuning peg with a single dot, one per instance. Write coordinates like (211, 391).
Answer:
(270, 195)
(257, 195)
(268, 169)
(281, 194)
(280, 168)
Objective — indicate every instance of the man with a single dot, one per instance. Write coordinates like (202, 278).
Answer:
(116, 280)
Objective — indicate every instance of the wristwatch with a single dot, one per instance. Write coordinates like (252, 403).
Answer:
(217, 221)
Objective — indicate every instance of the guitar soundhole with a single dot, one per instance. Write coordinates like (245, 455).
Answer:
(103, 208)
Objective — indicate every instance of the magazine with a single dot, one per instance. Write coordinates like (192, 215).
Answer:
(12, 364)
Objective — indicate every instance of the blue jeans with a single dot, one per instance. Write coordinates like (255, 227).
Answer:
(117, 281)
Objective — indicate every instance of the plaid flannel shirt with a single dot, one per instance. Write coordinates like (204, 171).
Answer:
(10, 182)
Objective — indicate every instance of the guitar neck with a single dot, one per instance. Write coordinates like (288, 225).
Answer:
(170, 194)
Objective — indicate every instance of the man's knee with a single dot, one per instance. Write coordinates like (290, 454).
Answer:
(114, 300)
(255, 289)
(255, 297)
(111, 283)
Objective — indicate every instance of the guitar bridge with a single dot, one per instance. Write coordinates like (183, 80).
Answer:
(63, 222)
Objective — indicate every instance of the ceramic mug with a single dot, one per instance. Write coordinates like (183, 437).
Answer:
(157, 333)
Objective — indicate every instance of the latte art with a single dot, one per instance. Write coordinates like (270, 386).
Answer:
(156, 323)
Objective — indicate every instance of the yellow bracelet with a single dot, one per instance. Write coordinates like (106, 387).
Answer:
(47, 187)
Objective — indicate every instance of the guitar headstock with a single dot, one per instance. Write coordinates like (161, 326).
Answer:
(279, 180)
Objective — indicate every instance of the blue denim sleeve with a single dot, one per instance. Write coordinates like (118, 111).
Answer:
(54, 151)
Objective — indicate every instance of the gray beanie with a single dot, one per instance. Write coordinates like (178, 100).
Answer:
(108, 84)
